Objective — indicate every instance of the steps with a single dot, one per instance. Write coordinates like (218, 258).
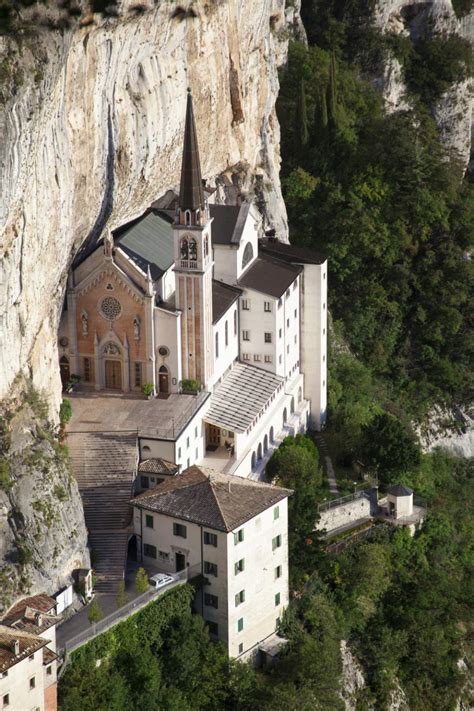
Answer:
(104, 464)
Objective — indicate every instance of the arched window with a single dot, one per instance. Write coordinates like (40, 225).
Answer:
(248, 254)
(253, 460)
(265, 444)
(300, 394)
(285, 416)
(272, 435)
(217, 346)
(192, 250)
(187, 217)
(226, 333)
(184, 248)
(259, 452)
(206, 246)
(292, 407)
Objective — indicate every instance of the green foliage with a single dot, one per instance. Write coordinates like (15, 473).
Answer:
(141, 581)
(190, 386)
(36, 401)
(148, 389)
(6, 481)
(95, 612)
(122, 597)
(25, 554)
(391, 449)
(462, 7)
(65, 411)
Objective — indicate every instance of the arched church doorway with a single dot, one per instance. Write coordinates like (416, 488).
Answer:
(113, 374)
(163, 380)
(64, 370)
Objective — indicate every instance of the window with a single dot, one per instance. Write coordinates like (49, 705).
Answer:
(210, 539)
(296, 339)
(238, 536)
(138, 375)
(179, 452)
(245, 305)
(246, 335)
(49, 670)
(32, 682)
(31, 657)
(217, 345)
(213, 627)
(267, 306)
(6, 700)
(288, 349)
(210, 568)
(235, 322)
(287, 293)
(296, 313)
(87, 370)
(279, 333)
(241, 647)
(268, 359)
(245, 356)
(195, 431)
(179, 530)
(279, 360)
(295, 283)
(278, 572)
(276, 543)
(268, 337)
(276, 513)
(184, 248)
(226, 333)
(149, 521)
(277, 599)
(324, 306)
(279, 303)
(324, 331)
(248, 254)
(192, 250)
(163, 555)
(288, 323)
(257, 357)
(240, 625)
(240, 598)
(211, 600)
(239, 566)
(149, 551)
(4, 674)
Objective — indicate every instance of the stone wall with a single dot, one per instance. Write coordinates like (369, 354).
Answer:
(344, 514)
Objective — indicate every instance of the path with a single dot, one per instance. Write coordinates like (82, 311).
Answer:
(330, 473)
(104, 464)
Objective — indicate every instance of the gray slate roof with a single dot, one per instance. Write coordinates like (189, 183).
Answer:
(148, 241)
(191, 193)
(223, 296)
(229, 222)
(209, 498)
(297, 255)
(242, 396)
(270, 276)
(399, 490)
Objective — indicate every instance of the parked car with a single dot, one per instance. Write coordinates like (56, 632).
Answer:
(160, 580)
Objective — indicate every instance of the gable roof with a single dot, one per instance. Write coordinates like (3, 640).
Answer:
(209, 498)
(399, 490)
(229, 222)
(23, 615)
(148, 241)
(223, 296)
(270, 276)
(297, 255)
(158, 466)
(28, 644)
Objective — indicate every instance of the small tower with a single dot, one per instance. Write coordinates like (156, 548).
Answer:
(193, 261)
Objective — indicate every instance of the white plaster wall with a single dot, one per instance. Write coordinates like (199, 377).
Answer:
(258, 579)
(291, 329)
(228, 258)
(17, 684)
(168, 333)
(249, 234)
(314, 340)
(167, 284)
(258, 321)
(403, 504)
(344, 514)
(157, 448)
(229, 353)
(189, 447)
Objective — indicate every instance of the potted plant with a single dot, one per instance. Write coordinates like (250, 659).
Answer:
(73, 380)
(190, 387)
(148, 390)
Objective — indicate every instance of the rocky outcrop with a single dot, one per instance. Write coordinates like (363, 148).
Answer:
(413, 19)
(42, 531)
(92, 118)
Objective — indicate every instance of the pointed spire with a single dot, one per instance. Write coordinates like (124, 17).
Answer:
(191, 194)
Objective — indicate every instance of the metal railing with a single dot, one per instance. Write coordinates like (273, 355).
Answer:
(363, 493)
(177, 424)
(126, 610)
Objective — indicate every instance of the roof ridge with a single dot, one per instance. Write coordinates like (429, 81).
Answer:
(226, 525)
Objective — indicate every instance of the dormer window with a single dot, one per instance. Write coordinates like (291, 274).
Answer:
(184, 248)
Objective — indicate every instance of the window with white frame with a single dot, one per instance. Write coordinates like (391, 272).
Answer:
(240, 598)
(257, 357)
(246, 335)
(245, 356)
(268, 337)
(268, 359)
(267, 306)
(245, 304)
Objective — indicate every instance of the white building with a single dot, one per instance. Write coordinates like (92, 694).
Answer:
(188, 295)
(232, 532)
(28, 680)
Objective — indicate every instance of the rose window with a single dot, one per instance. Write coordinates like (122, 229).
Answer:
(110, 308)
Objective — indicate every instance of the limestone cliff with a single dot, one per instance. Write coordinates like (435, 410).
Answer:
(42, 531)
(92, 119)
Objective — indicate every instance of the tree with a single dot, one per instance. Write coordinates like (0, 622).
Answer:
(141, 581)
(95, 612)
(302, 118)
(122, 597)
(390, 447)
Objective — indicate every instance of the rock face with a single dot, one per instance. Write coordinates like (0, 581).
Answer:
(92, 134)
(414, 19)
(42, 531)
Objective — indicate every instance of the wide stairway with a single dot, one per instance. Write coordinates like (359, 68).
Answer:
(104, 464)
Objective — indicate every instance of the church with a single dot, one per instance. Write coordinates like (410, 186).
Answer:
(192, 297)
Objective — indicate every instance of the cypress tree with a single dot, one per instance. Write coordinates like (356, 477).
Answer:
(332, 92)
(302, 116)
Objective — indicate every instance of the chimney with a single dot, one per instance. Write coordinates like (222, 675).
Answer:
(16, 647)
(39, 619)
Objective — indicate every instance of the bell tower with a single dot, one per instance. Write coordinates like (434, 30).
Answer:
(193, 261)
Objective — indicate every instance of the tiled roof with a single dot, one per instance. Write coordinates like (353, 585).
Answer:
(297, 255)
(270, 276)
(209, 498)
(157, 466)
(399, 490)
(23, 615)
(223, 296)
(242, 396)
(28, 644)
(48, 656)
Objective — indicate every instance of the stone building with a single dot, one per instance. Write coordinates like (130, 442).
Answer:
(231, 531)
(28, 657)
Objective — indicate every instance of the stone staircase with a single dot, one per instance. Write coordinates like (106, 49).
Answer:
(104, 464)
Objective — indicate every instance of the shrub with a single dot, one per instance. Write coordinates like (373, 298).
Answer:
(141, 581)
(190, 386)
(65, 411)
(148, 389)
(6, 482)
(95, 612)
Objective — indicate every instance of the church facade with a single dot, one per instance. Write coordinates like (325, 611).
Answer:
(189, 295)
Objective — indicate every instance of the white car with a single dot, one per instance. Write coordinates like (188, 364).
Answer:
(160, 580)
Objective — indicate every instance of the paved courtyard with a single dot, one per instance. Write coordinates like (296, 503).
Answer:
(164, 418)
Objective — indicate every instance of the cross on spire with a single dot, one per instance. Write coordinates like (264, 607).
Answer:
(191, 193)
